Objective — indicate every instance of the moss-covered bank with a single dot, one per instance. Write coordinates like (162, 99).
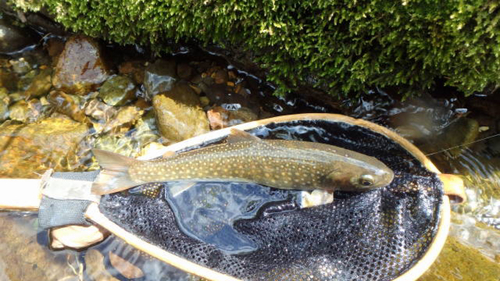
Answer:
(339, 46)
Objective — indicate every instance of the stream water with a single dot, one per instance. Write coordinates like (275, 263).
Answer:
(43, 127)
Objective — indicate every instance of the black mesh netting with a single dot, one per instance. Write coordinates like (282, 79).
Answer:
(377, 235)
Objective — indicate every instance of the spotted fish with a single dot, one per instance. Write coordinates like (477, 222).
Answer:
(243, 157)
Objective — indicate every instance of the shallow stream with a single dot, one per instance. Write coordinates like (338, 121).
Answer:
(47, 120)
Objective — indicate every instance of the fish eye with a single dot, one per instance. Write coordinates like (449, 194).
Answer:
(366, 180)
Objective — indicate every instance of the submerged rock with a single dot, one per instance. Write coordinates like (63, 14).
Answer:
(34, 148)
(26, 112)
(179, 114)
(117, 90)
(4, 104)
(94, 266)
(40, 85)
(80, 67)
(64, 104)
(460, 262)
(125, 268)
(221, 118)
(13, 38)
(133, 69)
(159, 77)
(458, 135)
(124, 119)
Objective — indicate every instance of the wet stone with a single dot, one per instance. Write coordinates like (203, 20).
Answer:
(33, 148)
(13, 38)
(133, 69)
(4, 105)
(221, 118)
(184, 71)
(80, 67)
(159, 77)
(179, 114)
(94, 266)
(117, 90)
(19, 111)
(125, 268)
(40, 85)
(20, 66)
(66, 105)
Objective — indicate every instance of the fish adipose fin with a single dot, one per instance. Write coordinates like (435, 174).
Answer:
(114, 176)
(239, 136)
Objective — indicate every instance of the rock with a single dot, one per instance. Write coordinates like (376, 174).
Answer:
(99, 110)
(54, 47)
(80, 67)
(459, 134)
(20, 66)
(134, 69)
(76, 236)
(220, 76)
(94, 266)
(117, 90)
(26, 112)
(124, 119)
(184, 71)
(8, 80)
(24, 258)
(125, 268)
(13, 38)
(159, 77)
(4, 104)
(40, 85)
(33, 148)
(64, 104)
(179, 114)
(221, 118)
(460, 262)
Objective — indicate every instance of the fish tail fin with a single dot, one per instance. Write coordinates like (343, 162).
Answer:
(114, 176)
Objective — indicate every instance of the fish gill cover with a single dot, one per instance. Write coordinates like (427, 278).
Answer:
(376, 235)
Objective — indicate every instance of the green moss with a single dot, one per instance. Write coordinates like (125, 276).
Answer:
(340, 46)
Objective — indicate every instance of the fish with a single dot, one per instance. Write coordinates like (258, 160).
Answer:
(282, 164)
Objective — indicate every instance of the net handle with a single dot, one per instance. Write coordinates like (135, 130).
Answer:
(98, 218)
(20, 194)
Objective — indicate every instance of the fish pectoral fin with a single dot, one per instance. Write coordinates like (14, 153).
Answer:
(240, 136)
(114, 176)
(178, 188)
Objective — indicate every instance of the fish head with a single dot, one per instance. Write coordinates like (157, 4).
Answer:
(361, 176)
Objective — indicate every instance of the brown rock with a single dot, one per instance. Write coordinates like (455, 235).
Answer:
(64, 104)
(125, 268)
(221, 76)
(55, 46)
(134, 69)
(80, 67)
(23, 258)
(94, 266)
(33, 148)
(179, 114)
(159, 77)
(40, 85)
(184, 71)
(221, 118)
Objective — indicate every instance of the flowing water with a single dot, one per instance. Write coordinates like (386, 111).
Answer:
(41, 128)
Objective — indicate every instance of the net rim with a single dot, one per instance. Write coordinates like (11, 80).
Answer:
(413, 273)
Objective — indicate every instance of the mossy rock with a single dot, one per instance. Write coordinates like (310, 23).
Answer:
(339, 46)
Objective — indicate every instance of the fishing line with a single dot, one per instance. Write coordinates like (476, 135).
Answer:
(451, 148)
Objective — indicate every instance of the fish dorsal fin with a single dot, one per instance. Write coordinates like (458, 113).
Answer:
(240, 136)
